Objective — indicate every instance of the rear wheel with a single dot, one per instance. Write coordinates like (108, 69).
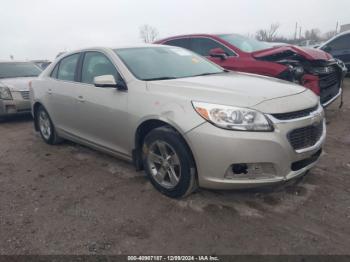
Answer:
(46, 128)
(168, 163)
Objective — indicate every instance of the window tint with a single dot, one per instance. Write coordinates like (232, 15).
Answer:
(340, 43)
(67, 67)
(183, 42)
(97, 64)
(203, 46)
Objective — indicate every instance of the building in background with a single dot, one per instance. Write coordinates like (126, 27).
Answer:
(344, 28)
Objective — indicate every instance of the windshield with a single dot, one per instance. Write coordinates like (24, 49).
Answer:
(246, 44)
(11, 70)
(160, 63)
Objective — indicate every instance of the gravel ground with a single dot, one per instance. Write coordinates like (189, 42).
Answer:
(68, 199)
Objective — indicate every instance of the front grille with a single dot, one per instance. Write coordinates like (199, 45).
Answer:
(295, 114)
(329, 85)
(329, 80)
(25, 95)
(305, 162)
(306, 136)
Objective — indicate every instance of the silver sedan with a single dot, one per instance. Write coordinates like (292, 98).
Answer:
(184, 120)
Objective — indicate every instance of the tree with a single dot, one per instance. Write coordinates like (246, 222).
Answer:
(313, 34)
(268, 34)
(148, 33)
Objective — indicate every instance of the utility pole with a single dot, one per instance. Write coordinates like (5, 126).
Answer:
(300, 32)
(296, 29)
(336, 27)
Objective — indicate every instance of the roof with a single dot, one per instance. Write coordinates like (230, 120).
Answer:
(186, 35)
(109, 48)
(334, 37)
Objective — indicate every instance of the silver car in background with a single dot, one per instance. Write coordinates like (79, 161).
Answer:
(184, 120)
(14, 87)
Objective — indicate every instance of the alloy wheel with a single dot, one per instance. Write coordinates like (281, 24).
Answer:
(44, 124)
(164, 164)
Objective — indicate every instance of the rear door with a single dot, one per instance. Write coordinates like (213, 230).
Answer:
(103, 118)
(61, 94)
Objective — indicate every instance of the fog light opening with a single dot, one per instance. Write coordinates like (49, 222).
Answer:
(239, 169)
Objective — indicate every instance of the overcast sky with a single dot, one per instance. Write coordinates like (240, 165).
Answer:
(39, 29)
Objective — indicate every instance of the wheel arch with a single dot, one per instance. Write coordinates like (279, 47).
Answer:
(141, 132)
(36, 106)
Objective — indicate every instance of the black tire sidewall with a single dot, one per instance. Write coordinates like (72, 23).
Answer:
(187, 164)
(51, 139)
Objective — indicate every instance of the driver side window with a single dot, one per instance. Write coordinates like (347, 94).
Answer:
(97, 64)
(203, 46)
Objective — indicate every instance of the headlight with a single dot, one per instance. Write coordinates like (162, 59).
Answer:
(234, 118)
(298, 72)
(5, 93)
(342, 65)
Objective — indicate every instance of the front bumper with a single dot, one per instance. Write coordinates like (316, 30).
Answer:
(16, 106)
(269, 155)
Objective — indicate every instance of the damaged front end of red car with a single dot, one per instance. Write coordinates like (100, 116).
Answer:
(314, 69)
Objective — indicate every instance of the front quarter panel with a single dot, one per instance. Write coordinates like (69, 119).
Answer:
(147, 103)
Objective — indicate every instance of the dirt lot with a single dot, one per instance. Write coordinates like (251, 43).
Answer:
(68, 199)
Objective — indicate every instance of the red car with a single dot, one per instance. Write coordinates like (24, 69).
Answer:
(312, 68)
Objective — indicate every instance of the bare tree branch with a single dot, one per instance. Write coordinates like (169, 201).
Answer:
(268, 34)
(148, 33)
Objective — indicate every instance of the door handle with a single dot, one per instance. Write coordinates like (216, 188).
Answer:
(49, 91)
(81, 99)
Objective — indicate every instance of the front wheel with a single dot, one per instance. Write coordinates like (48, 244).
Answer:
(169, 163)
(46, 128)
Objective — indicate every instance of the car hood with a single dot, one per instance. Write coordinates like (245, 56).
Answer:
(18, 83)
(307, 53)
(236, 89)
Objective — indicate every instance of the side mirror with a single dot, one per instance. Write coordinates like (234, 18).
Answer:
(218, 53)
(108, 81)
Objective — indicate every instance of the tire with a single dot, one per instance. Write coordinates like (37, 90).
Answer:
(46, 127)
(169, 163)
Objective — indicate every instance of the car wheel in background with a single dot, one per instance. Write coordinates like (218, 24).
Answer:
(46, 128)
(169, 163)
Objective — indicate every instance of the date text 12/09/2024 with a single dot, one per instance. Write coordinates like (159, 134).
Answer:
(173, 258)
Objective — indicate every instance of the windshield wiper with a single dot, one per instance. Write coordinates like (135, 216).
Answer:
(208, 74)
(28, 76)
(160, 78)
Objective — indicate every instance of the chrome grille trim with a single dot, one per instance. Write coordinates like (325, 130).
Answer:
(25, 95)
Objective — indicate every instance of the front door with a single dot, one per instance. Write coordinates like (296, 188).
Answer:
(103, 114)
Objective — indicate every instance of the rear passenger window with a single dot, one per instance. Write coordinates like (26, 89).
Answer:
(67, 68)
(183, 42)
(97, 64)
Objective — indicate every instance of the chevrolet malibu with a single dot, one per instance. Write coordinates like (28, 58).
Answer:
(14, 87)
(183, 119)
